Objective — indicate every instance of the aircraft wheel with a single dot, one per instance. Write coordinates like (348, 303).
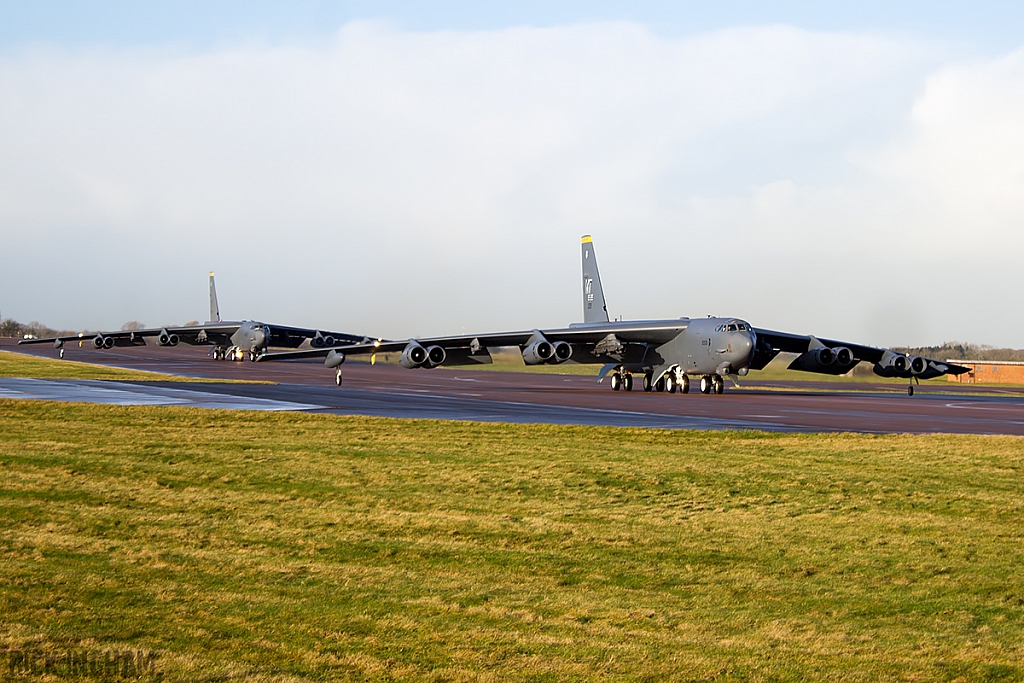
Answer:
(684, 385)
(660, 385)
(705, 385)
(337, 378)
(719, 384)
(670, 384)
(627, 382)
(648, 381)
(910, 390)
(616, 382)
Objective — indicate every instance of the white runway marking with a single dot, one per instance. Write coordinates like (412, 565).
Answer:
(122, 394)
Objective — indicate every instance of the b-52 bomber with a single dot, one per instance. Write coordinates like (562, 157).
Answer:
(230, 340)
(667, 353)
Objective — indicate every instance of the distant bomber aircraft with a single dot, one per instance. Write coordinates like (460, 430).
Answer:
(230, 340)
(666, 352)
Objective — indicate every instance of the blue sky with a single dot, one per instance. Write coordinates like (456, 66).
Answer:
(401, 169)
(986, 26)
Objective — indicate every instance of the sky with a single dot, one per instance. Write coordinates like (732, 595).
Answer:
(399, 169)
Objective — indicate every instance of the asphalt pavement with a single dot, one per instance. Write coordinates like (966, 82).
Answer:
(492, 396)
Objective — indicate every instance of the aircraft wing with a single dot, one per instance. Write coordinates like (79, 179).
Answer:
(290, 337)
(770, 343)
(592, 343)
(190, 334)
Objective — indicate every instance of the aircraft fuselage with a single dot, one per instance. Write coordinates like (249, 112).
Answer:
(708, 346)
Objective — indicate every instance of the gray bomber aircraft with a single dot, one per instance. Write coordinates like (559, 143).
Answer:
(666, 352)
(230, 340)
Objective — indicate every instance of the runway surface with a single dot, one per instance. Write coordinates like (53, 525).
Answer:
(392, 391)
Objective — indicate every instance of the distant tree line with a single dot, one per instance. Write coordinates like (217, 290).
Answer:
(12, 328)
(963, 351)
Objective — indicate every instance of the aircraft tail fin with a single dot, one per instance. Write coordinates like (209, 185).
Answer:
(594, 308)
(214, 308)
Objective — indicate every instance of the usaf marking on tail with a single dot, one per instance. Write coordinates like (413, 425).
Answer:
(667, 353)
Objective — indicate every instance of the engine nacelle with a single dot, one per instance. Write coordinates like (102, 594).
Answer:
(894, 365)
(540, 351)
(563, 352)
(318, 341)
(830, 361)
(99, 340)
(413, 356)
(334, 359)
(435, 356)
(165, 338)
(918, 365)
(844, 356)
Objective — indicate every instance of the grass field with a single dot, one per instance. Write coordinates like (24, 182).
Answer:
(287, 547)
(22, 365)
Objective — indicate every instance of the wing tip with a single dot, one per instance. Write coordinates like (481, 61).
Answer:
(587, 238)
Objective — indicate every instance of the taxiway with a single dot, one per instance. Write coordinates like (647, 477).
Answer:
(494, 396)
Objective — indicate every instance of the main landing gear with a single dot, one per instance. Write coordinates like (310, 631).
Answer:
(671, 382)
(233, 353)
(621, 380)
(712, 384)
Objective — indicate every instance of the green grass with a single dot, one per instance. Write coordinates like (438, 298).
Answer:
(287, 547)
(23, 365)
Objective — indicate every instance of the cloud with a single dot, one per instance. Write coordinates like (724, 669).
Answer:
(403, 183)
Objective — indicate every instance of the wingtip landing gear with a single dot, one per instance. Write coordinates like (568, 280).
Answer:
(910, 389)
(337, 377)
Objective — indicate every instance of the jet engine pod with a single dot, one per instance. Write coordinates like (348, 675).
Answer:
(328, 341)
(413, 356)
(816, 360)
(538, 352)
(901, 364)
(317, 341)
(893, 365)
(918, 365)
(334, 359)
(435, 356)
(844, 356)
(165, 338)
(563, 351)
(97, 342)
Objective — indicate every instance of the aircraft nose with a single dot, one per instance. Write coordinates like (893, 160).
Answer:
(749, 342)
(258, 337)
